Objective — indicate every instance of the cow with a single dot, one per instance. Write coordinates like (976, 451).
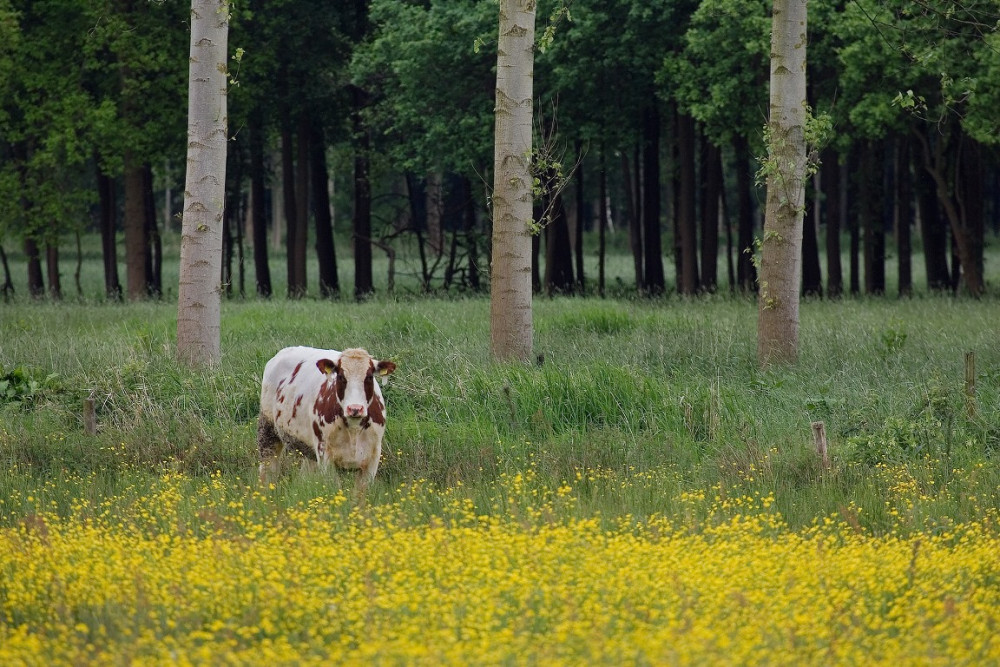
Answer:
(325, 404)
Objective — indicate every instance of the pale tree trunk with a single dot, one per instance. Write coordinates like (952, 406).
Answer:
(781, 249)
(510, 279)
(200, 293)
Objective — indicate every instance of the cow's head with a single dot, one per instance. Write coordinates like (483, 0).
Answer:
(349, 390)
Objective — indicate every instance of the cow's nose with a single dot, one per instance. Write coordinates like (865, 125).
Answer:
(355, 410)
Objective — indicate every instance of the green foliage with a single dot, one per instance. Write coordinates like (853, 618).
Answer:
(22, 388)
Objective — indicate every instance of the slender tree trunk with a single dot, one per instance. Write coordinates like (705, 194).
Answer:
(262, 270)
(469, 233)
(434, 198)
(871, 196)
(329, 283)
(108, 223)
(511, 329)
(8, 280)
(301, 190)
(36, 281)
(580, 220)
(52, 269)
(746, 272)
(812, 277)
(603, 222)
(154, 249)
(711, 161)
(364, 283)
(199, 302)
(136, 230)
(295, 289)
(854, 248)
(558, 253)
(904, 217)
(934, 232)
(654, 278)
(832, 186)
(634, 224)
(687, 222)
(781, 248)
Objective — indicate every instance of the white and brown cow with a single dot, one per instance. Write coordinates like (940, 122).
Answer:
(327, 405)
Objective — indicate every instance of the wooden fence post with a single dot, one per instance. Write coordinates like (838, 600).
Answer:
(819, 437)
(89, 415)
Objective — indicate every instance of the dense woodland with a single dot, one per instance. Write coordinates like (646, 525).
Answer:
(365, 126)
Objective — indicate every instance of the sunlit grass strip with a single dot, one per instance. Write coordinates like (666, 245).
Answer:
(241, 582)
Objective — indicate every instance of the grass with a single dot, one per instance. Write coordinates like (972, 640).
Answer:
(625, 387)
(595, 507)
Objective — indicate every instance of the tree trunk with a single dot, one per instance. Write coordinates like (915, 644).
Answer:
(558, 252)
(295, 288)
(603, 222)
(511, 328)
(154, 247)
(329, 283)
(8, 280)
(870, 217)
(711, 160)
(686, 222)
(781, 248)
(653, 279)
(258, 176)
(964, 228)
(199, 301)
(904, 217)
(812, 277)
(364, 283)
(136, 237)
(469, 233)
(854, 247)
(581, 282)
(301, 189)
(634, 224)
(830, 180)
(934, 233)
(36, 280)
(746, 271)
(108, 223)
(52, 270)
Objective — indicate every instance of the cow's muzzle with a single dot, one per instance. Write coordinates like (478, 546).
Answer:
(355, 410)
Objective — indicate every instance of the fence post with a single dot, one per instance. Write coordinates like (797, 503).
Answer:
(819, 437)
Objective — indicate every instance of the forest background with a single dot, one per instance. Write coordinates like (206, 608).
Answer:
(364, 130)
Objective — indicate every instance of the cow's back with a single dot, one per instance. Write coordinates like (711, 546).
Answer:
(290, 384)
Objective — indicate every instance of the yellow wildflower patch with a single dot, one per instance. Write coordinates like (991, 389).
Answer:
(189, 573)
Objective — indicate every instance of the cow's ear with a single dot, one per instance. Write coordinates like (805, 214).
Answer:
(326, 366)
(385, 367)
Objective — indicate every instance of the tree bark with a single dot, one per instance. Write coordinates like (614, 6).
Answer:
(812, 276)
(329, 282)
(711, 160)
(108, 224)
(870, 217)
(136, 237)
(654, 279)
(904, 217)
(364, 284)
(154, 244)
(36, 280)
(581, 204)
(301, 190)
(199, 301)
(262, 270)
(634, 223)
(559, 277)
(52, 270)
(781, 248)
(511, 329)
(746, 272)
(686, 222)
(830, 180)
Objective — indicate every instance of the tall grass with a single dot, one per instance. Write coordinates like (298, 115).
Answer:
(625, 389)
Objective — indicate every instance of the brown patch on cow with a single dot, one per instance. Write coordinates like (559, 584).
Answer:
(295, 372)
(327, 404)
(376, 411)
(298, 402)
(318, 432)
